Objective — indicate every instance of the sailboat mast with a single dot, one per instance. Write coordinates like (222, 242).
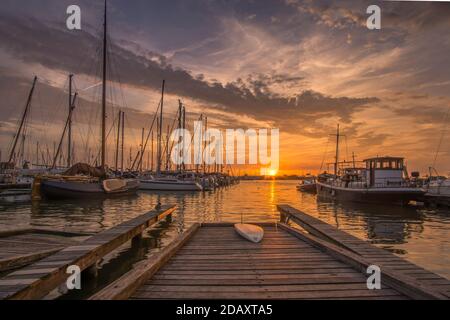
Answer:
(159, 147)
(337, 152)
(117, 141)
(183, 167)
(22, 122)
(123, 141)
(69, 118)
(105, 48)
(167, 148)
(204, 145)
(180, 126)
(69, 134)
(151, 168)
(142, 150)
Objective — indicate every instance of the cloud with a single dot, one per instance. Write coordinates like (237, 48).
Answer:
(372, 139)
(36, 42)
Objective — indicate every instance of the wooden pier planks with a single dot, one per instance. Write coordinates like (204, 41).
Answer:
(376, 255)
(38, 279)
(218, 264)
(21, 247)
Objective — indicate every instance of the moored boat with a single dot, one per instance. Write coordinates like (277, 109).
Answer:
(307, 185)
(381, 181)
(15, 195)
(438, 192)
(184, 182)
(83, 181)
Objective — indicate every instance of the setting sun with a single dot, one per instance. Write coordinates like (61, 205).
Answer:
(269, 172)
(273, 172)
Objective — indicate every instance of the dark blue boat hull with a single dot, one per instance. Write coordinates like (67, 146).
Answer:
(79, 190)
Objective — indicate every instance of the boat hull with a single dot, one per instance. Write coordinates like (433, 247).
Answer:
(310, 188)
(80, 190)
(437, 200)
(169, 186)
(250, 232)
(400, 196)
(15, 195)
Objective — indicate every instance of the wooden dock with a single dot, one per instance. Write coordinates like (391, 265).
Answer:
(376, 256)
(210, 261)
(37, 280)
(314, 260)
(23, 246)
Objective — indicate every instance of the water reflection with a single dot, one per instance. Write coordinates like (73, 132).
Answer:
(418, 234)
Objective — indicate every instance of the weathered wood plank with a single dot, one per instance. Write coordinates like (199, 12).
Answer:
(262, 288)
(402, 283)
(83, 256)
(250, 271)
(15, 262)
(127, 284)
(267, 295)
(329, 233)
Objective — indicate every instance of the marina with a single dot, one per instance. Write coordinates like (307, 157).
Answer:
(150, 153)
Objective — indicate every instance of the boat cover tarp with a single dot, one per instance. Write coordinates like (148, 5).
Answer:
(85, 169)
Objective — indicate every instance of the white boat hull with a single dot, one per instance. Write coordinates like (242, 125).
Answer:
(250, 232)
(158, 185)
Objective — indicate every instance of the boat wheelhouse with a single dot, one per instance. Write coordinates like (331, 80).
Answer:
(385, 172)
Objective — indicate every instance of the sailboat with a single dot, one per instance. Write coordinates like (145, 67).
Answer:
(182, 182)
(160, 182)
(82, 180)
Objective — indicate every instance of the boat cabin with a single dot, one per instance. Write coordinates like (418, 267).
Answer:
(384, 171)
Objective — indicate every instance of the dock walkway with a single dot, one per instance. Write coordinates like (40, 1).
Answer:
(376, 255)
(210, 261)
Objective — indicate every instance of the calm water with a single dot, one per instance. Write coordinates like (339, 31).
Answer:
(417, 234)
